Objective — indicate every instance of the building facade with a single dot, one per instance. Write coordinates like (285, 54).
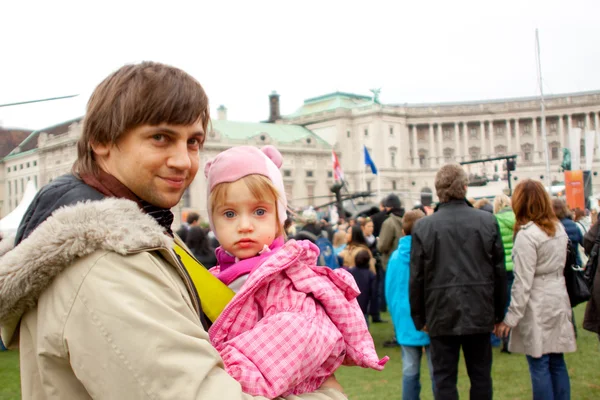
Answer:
(49, 153)
(408, 143)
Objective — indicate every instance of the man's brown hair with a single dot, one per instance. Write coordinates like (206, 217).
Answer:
(531, 203)
(148, 93)
(409, 219)
(560, 208)
(450, 183)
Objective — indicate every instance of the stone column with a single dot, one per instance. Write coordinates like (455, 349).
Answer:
(596, 122)
(588, 125)
(482, 138)
(536, 156)
(432, 156)
(440, 142)
(415, 154)
(456, 143)
(569, 127)
(492, 141)
(508, 137)
(561, 132)
(465, 140)
(517, 137)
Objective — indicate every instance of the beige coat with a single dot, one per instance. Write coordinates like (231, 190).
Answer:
(391, 232)
(539, 311)
(105, 312)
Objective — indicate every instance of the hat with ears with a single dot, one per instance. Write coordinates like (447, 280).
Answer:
(240, 161)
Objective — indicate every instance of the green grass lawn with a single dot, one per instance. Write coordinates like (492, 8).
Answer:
(510, 372)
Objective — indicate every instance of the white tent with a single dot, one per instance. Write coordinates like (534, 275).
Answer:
(10, 223)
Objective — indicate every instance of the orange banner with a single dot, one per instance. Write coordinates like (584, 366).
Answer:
(574, 189)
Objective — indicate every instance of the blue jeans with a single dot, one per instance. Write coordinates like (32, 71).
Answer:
(549, 377)
(411, 371)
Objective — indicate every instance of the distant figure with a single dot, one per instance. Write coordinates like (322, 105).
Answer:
(365, 280)
(193, 219)
(199, 243)
(339, 242)
(484, 204)
(506, 221)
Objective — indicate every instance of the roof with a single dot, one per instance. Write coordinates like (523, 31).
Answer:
(281, 133)
(10, 138)
(31, 141)
(503, 100)
(331, 101)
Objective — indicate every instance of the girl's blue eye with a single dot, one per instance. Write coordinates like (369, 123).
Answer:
(260, 212)
(229, 214)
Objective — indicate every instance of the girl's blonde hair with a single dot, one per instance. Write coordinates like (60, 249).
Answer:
(339, 238)
(261, 188)
(500, 202)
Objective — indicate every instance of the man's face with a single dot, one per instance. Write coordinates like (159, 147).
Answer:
(157, 163)
(368, 228)
(243, 223)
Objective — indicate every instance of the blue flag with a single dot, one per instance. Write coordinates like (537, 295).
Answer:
(369, 161)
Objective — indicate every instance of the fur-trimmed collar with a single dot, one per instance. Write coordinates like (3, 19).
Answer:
(71, 232)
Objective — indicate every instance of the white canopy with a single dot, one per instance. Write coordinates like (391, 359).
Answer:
(10, 223)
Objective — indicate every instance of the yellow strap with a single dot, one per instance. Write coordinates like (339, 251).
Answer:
(214, 294)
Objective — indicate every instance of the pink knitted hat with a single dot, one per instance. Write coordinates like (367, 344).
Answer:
(240, 161)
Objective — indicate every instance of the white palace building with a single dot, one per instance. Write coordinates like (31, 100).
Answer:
(408, 142)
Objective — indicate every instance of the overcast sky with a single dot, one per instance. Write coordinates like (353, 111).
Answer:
(417, 51)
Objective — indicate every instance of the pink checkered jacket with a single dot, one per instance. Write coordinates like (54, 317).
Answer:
(292, 325)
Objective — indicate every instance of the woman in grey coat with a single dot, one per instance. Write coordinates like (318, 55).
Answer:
(539, 315)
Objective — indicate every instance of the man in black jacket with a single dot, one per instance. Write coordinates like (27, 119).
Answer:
(458, 285)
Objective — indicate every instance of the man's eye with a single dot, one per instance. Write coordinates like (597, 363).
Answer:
(229, 214)
(260, 212)
(159, 137)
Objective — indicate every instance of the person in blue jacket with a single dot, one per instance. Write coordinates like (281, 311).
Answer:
(412, 341)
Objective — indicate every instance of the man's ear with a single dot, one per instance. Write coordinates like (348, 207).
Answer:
(101, 149)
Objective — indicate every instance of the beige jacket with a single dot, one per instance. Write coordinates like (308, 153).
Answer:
(105, 312)
(539, 311)
(391, 232)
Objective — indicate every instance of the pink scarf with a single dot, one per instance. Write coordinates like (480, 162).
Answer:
(231, 268)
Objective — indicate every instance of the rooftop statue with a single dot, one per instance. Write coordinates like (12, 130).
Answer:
(566, 163)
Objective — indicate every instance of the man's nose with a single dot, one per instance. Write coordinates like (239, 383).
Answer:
(180, 157)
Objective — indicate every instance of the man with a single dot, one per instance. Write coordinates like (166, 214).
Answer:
(102, 305)
(457, 285)
(379, 217)
(193, 219)
(391, 232)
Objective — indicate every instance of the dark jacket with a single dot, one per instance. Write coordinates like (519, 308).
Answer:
(63, 191)
(574, 235)
(591, 321)
(365, 280)
(589, 237)
(457, 272)
(378, 221)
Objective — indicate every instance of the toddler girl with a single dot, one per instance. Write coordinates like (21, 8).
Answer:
(291, 323)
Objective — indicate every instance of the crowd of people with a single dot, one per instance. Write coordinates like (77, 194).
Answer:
(104, 300)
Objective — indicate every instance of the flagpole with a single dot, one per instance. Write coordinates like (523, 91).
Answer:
(378, 187)
(544, 136)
